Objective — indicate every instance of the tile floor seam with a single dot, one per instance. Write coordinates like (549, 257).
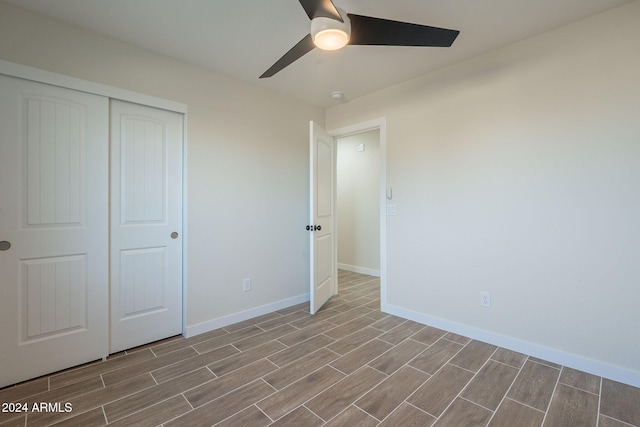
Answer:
(506, 393)
(447, 362)
(226, 394)
(477, 404)
(542, 362)
(419, 409)
(188, 403)
(457, 395)
(227, 418)
(361, 345)
(356, 398)
(453, 341)
(524, 404)
(406, 399)
(289, 346)
(359, 409)
(298, 380)
(104, 414)
(503, 363)
(371, 415)
(465, 369)
(304, 405)
(475, 374)
(620, 421)
(553, 394)
(116, 399)
(176, 417)
(265, 414)
(139, 410)
(378, 370)
(579, 389)
(599, 401)
(406, 364)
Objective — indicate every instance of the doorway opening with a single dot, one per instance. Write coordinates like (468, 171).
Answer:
(362, 200)
(357, 206)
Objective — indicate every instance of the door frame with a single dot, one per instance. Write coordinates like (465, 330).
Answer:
(379, 124)
(47, 77)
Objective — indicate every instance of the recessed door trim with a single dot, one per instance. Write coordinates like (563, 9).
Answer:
(381, 125)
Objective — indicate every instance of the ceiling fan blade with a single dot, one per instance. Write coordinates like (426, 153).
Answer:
(321, 8)
(366, 30)
(298, 51)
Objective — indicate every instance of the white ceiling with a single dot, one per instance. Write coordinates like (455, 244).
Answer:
(242, 38)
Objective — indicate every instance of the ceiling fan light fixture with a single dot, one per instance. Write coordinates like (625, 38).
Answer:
(331, 29)
(331, 39)
(331, 34)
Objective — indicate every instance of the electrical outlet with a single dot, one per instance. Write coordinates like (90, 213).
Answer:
(246, 284)
(485, 299)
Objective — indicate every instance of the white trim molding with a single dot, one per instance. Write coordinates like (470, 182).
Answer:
(361, 270)
(41, 76)
(221, 322)
(569, 360)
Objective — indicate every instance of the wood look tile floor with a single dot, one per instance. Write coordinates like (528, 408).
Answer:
(349, 365)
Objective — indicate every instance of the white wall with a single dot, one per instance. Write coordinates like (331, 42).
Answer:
(358, 202)
(517, 172)
(247, 162)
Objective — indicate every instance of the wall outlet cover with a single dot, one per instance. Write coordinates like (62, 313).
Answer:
(485, 299)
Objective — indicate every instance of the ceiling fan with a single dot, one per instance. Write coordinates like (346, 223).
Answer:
(333, 28)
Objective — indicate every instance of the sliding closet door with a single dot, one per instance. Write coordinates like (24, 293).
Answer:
(146, 224)
(53, 228)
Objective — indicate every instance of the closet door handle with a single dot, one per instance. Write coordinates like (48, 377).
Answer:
(5, 245)
(174, 235)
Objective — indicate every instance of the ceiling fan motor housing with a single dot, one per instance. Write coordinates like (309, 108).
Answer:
(331, 34)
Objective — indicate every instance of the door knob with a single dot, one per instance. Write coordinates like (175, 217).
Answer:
(174, 235)
(4, 245)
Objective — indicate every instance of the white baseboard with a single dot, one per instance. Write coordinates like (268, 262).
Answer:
(569, 360)
(221, 322)
(361, 270)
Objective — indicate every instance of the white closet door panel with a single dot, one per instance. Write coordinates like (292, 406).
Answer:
(143, 281)
(53, 196)
(54, 160)
(146, 208)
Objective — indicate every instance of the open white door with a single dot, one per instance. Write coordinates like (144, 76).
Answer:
(53, 228)
(323, 250)
(146, 224)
